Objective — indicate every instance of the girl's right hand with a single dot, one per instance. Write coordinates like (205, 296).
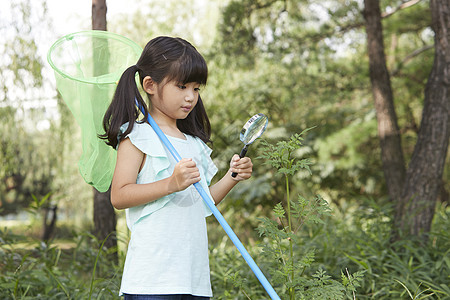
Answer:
(184, 174)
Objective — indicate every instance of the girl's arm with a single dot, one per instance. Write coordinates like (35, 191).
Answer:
(242, 166)
(126, 193)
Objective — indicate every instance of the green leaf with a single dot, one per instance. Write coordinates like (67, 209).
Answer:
(359, 262)
(279, 210)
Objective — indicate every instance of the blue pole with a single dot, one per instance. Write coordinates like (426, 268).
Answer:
(265, 283)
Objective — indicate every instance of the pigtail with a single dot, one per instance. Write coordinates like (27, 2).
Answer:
(123, 107)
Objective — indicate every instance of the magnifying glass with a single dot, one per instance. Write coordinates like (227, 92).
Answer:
(252, 130)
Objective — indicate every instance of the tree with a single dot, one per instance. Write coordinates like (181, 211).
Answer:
(414, 191)
(104, 214)
(388, 130)
(415, 208)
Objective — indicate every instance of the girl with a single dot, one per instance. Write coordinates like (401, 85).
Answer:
(167, 255)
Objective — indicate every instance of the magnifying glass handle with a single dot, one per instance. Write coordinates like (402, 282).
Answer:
(241, 155)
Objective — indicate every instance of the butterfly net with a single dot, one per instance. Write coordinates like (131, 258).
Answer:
(87, 66)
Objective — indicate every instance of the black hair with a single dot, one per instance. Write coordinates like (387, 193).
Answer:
(173, 59)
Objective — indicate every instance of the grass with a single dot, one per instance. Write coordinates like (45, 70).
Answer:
(75, 266)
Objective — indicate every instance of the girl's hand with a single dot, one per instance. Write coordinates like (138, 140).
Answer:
(242, 166)
(184, 174)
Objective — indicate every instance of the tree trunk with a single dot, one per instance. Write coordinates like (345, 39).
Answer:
(104, 218)
(388, 131)
(49, 226)
(99, 15)
(104, 214)
(423, 182)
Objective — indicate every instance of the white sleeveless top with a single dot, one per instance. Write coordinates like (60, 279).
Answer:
(168, 249)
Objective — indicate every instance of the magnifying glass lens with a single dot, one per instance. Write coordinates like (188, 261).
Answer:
(252, 130)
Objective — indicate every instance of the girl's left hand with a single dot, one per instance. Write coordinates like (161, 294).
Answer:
(242, 166)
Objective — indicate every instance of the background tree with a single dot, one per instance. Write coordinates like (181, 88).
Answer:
(416, 206)
(36, 155)
(22, 171)
(415, 198)
(27, 168)
(388, 130)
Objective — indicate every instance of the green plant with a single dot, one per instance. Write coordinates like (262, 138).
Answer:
(417, 293)
(32, 269)
(283, 242)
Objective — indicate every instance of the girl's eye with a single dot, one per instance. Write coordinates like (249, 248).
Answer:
(180, 86)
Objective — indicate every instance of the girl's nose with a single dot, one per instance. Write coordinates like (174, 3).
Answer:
(190, 96)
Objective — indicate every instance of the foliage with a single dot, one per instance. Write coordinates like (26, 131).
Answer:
(352, 239)
(356, 240)
(281, 156)
(395, 269)
(309, 66)
(285, 257)
(284, 235)
(49, 271)
(190, 19)
(37, 154)
(21, 63)
(23, 168)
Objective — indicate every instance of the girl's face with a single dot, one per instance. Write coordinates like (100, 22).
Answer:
(174, 100)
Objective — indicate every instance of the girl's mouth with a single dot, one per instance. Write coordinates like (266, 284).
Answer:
(186, 108)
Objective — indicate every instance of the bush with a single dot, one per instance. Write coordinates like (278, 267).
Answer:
(31, 269)
(285, 250)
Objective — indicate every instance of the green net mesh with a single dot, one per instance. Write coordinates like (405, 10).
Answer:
(87, 66)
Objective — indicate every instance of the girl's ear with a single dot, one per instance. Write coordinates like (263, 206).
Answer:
(149, 86)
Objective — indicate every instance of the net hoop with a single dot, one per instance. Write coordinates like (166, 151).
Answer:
(95, 33)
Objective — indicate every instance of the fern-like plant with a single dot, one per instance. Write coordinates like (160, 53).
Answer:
(283, 241)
